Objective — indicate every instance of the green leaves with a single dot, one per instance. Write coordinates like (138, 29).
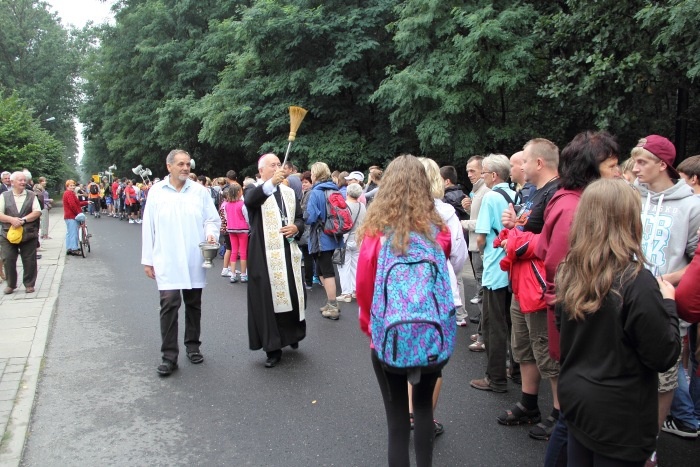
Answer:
(443, 78)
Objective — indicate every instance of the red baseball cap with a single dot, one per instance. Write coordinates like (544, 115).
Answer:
(663, 149)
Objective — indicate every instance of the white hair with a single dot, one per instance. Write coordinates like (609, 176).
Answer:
(263, 159)
(14, 175)
(498, 163)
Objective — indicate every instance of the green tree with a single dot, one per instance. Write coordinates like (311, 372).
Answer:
(40, 60)
(24, 144)
(468, 77)
(327, 57)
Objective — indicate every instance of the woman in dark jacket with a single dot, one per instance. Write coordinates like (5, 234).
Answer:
(619, 328)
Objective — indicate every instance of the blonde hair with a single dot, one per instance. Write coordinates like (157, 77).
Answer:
(403, 204)
(437, 184)
(606, 252)
(320, 172)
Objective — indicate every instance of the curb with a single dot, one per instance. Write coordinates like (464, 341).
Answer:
(17, 430)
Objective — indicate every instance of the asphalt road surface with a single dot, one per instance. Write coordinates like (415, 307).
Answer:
(100, 401)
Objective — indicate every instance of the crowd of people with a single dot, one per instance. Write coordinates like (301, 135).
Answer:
(583, 267)
(576, 259)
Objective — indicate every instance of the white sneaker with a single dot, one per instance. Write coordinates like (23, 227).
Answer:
(138, 221)
(462, 323)
(475, 300)
(346, 297)
(226, 272)
(131, 221)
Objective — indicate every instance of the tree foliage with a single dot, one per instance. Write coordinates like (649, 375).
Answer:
(24, 144)
(39, 64)
(443, 78)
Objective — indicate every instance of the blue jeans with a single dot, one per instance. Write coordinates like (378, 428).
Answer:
(682, 407)
(556, 455)
(694, 378)
(71, 234)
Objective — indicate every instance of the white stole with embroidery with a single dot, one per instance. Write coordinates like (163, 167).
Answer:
(274, 251)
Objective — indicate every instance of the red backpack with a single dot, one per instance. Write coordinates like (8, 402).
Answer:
(338, 215)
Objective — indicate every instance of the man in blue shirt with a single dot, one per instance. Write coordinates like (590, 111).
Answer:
(496, 302)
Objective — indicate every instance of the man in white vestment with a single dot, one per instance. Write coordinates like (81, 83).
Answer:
(179, 216)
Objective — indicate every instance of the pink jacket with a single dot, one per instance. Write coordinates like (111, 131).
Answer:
(552, 249)
(235, 221)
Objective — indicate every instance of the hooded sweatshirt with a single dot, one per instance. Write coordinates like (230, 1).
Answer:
(670, 220)
(552, 248)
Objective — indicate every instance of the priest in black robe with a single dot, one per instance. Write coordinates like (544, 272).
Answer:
(276, 294)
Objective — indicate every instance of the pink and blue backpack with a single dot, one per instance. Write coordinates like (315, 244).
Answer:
(412, 319)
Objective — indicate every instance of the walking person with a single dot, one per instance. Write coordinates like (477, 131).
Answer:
(618, 329)
(19, 207)
(348, 269)
(180, 215)
(276, 307)
(321, 244)
(402, 221)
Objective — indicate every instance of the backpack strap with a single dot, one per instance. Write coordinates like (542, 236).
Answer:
(508, 199)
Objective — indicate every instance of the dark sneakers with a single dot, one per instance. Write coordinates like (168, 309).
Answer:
(679, 428)
(166, 368)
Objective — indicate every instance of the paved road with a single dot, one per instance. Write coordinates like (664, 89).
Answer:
(100, 401)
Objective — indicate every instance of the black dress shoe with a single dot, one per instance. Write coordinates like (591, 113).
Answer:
(475, 320)
(294, 345)
(273, 358)
(166, 368)
(195, 356)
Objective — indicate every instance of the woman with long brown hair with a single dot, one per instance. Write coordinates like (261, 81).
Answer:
(619, 328)
(402, 208)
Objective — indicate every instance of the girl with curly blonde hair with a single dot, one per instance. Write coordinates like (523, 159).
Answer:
(403, 205)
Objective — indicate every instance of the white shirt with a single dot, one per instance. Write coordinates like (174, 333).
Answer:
(174, 224)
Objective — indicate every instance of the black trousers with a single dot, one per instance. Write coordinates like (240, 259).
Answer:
(170, 301)
(394, 388)
(27, 251)
(495, 320)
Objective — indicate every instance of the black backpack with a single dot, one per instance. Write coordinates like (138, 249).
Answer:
(94, 190)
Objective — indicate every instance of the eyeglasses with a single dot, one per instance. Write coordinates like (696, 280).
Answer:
(489, 172)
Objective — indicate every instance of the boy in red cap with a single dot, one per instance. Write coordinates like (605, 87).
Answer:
(671, 218)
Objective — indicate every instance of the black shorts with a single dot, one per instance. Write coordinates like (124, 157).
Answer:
(324, 264)
(133, 208)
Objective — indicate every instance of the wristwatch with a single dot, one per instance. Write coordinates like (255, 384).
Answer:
(23, 219)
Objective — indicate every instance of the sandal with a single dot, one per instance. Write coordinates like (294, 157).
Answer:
(474, 337)
(519, 415)
(413, 422)
(543, 430)
(195, 357)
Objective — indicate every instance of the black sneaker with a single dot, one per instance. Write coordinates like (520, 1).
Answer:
(679, 428)
(439, 429)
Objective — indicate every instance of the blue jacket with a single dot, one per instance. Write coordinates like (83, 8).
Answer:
(316, 215)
